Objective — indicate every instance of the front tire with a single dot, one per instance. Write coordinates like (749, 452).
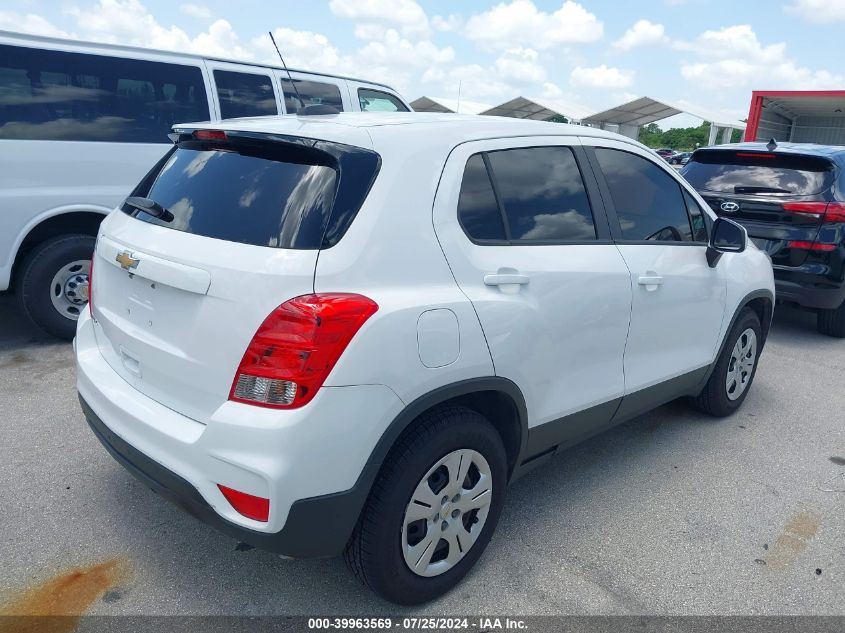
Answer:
(832, 322)
(52, 283)
(731, 379)
(433, 508)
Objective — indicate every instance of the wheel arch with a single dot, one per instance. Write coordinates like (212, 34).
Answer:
(67, 220)
(498, 399)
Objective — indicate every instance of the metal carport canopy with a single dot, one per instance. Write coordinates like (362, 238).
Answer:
(538, 109)
(646, 110)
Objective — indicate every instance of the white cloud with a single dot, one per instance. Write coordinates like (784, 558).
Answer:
(520, 64)
(29, 23)
(643, 32)
(304, 50)
(475, 81)
(818, 11)
(406, 14)
(519, 23)
(196, 10)
(733, 57)
(603, 77)
(445, 24)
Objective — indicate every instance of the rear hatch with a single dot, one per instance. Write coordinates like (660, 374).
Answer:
(177, 299)
(767, 192)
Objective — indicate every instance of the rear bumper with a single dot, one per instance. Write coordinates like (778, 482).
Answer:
(809, 295)
(312, 463)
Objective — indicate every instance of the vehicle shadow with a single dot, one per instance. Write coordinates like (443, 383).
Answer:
(15, 330)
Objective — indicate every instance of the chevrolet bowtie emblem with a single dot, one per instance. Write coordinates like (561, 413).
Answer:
(126, 260)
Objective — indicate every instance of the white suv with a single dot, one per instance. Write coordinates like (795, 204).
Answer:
(348, 333)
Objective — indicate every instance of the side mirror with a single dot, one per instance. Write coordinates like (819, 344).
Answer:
(726, 237)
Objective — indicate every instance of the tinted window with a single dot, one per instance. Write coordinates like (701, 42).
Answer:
(279, 200)
(746, 172)
(648, 201)
(377, 101)
(696, 216)
(244, 94)
(543, 194)
(54, 95)
(311, 93)
(477, 209)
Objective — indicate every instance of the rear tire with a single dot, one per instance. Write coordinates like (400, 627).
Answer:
(832, 322)
(731, 379)
(387, 537)
(52, 283)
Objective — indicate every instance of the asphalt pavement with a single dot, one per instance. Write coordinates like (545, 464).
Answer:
(672, 513)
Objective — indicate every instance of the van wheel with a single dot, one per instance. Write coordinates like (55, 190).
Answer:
(432, 509)
(832, 322)
(731, 379)
(52, 283)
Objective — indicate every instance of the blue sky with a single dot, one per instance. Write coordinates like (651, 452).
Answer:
(586, 55)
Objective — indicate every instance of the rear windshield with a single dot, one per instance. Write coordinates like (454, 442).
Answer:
(758, 173)
(269, 194)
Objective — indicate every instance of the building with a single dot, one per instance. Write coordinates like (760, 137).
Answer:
(801, 116)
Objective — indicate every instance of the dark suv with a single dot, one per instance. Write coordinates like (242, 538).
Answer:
(791, 199)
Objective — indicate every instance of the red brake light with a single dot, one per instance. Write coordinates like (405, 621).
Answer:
(832, 211)
(252, 507)
(755, 155)
(296, 347)
(811, 246)
(210, 135)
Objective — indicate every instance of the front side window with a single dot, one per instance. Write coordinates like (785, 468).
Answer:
(310, 93)
(648, 201)
(543, 194)
(378, 101)
(63, 96)
(244, 94)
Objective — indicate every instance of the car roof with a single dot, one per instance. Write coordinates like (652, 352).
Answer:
(358, 128)
(15, 38)
(807, 149)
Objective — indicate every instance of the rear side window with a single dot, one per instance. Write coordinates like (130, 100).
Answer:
(62, 96)
(244, 94)
(378, 101)
(543, 194)
(647, 200)
(311, 93)
(477, 208)
(277, 195)
(745, 172)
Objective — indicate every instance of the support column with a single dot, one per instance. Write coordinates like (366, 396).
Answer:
(713, 132)
(726, 134)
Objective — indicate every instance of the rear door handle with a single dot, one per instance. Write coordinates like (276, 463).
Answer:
(505, 279)
(650, 280)
(507, 282)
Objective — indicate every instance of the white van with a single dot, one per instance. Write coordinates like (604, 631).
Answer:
(80, 125)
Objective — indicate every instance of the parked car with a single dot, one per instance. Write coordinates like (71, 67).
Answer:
(81, 123)
(664, 152)
(348, 334)
(679, 158)
(791, 198)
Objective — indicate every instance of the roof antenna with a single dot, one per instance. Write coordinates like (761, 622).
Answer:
(772, 144)
(285, 66)
(458, 106)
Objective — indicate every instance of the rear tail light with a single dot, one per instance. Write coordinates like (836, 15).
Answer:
(812, 246)
(828, 211)
(296, 347)
(250, 506)
(755, 155)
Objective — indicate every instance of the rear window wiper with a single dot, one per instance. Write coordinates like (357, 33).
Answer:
(150, 207)
(750, 189)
